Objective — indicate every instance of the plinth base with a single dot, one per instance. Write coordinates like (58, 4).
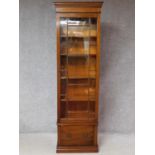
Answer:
(76, 149)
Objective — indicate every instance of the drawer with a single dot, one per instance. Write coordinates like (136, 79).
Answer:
(76, 135)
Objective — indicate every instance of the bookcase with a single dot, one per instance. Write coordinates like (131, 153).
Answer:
(78, 60)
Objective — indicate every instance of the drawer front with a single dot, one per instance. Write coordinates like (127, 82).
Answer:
(76, 135)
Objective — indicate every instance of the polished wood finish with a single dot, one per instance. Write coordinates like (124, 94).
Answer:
(78, 61)
(78, 6)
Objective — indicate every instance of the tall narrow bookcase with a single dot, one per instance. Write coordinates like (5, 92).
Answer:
(78, 59)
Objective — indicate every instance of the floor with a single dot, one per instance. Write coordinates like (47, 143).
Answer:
(45, 144)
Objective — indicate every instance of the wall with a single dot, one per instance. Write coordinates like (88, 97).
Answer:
(38, 66)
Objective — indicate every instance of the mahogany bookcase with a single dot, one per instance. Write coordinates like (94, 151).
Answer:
(78, 61)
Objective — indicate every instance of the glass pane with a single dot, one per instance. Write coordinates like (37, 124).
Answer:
(93, 46)
(63, 46)
(93, 32)
(77, 106)
(93, 27)
(78, 67)
(63, 35)
(78, 47)
(78, 21)
(63, 27)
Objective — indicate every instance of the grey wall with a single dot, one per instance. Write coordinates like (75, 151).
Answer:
(38, 66)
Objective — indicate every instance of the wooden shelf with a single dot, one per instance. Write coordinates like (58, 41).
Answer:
(78, 55)
(79, 93)
(77, 99)
(76, 114)
(86, 117)
(84, 99)
(89, 74)
(81, 25)
(78, 84)
(75, 77)
(91, 70)
(82, 36)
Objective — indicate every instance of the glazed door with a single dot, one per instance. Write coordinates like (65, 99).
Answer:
(78, 52)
